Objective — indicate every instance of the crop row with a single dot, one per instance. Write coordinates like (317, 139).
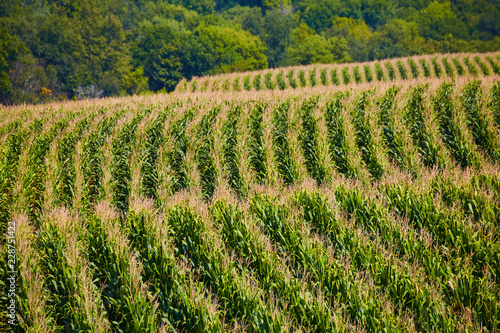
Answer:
(315, 75)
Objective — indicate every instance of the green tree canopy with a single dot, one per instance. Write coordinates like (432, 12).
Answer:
(357, 33)
(438, 20)
(233, 50)
(310, 48)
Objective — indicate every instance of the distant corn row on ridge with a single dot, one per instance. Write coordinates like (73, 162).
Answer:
(361, 208)
(414, 67)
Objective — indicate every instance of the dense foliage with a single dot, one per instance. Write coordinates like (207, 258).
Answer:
(61, 49)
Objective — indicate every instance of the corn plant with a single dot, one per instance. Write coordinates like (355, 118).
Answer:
(494, 103)
(65, 166)
(291, 80)
(204, 162)
(121, 153)
(257, 82)
(469, 196)
(447, 67)
(128, 309)
(167, 280)
(10, 126)
(379, 73)
(194, 86)
(394, 143)
(469, 285)
(312, 77)
(363, 136)
(402, 69)
(443, 106)
(215, 85)
(34, 178)
(335, 77)
(368, 73)
(494, 65)
(230, 154)
(236, 84)
(471, 100)
(92, 157)
(423, 212)
(357, 75)
(437, 67)
(188, 232)
(460, 69)
(308, 137)
(345, 75)
(240, 239)
(268, 81)
(413, 68)
(317, 213)
(63, 280)
(150, 146)
(176, 156)
(414, 119)
(256, 149)
(182, 86)
(337, 144)
(425, 67)
(280, 81)
(470, 66)
(390, 71)
(302, 78)
(323, 77)
(436, 265)
(226, 86)
(204, 86)
(285, 166)
(484, 69)
(9, 162)
(246, 83)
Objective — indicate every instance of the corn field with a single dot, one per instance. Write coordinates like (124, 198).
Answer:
(410, 68)
(373, 207)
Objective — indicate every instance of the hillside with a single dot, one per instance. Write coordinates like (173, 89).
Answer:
(430, 66)
(335, 208)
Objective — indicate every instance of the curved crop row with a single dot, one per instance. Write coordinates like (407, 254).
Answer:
(283, 78)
